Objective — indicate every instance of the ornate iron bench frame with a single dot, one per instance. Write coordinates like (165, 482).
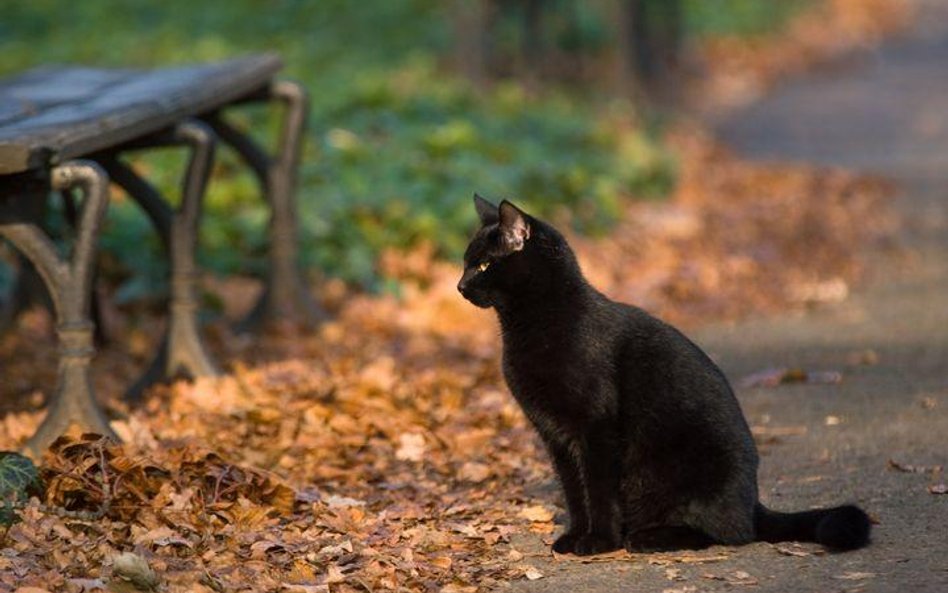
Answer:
(74, 141)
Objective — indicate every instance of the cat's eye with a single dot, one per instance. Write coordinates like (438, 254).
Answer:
(481, 267)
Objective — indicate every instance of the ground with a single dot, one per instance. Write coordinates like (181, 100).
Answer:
(834, 442)
(383, 452)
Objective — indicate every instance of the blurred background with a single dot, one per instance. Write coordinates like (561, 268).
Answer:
(391, 419)
(560, 104)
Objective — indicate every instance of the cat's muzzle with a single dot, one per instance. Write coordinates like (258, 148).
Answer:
(476, 297)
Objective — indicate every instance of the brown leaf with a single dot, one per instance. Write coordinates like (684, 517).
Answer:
(260, 549)
(162, 536)
(913, 469)
(792, 549)
(299, 588)
(458, 588)
(537, 513)
(475, 472)
(411, 447)
(334, 575)
(780, 376)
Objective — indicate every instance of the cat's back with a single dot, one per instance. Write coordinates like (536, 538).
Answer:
(648, 345)
(662, 374)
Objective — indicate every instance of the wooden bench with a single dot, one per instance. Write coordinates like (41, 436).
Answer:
(66, 129)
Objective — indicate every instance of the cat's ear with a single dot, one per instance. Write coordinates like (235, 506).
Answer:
(486, 211)
(514, 226)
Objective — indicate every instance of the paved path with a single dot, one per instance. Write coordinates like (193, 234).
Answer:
(889, 113)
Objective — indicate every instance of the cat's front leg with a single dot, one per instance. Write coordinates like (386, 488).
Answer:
(599, 463)
(568, 470)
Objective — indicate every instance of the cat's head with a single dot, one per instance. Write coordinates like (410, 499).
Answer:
(512, 255)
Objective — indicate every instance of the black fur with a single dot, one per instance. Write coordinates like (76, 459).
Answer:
(644, 431)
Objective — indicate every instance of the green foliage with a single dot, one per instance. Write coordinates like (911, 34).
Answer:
(399, 162)
(18, 478)
(396, 145)
(738, 17)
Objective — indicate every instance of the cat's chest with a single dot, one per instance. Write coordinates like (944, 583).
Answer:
(551, 351)
(553, 371)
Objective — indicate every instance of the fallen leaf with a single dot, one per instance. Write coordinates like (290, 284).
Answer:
(475, 472)
(855, 576)
(341, 502)
(834, 290)
(867, 357)
(781, 376)
(536, 513)
(664, 560)
(337, 549)
(259, 549)
(792, 549)
(457, 588)
(741, 578)
(778, 431)
(532, 573)
(334, 575)
(295, 588)
(162, 536)
(913, 469)
(411, 447)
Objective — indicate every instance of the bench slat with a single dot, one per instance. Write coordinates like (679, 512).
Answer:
(53, 114)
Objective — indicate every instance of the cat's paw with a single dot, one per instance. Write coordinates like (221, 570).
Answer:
(566, 543)
(596, 543)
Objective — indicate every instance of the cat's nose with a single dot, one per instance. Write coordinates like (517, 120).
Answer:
(464, 282)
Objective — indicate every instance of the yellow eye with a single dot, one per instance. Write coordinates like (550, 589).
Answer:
(483, 266)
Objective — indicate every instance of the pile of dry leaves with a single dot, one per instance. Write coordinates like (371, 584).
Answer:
(741, 238)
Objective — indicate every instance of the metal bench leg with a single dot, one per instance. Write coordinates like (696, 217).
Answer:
(69, 283)
(181, 350)
(285, 296)
(72, 217)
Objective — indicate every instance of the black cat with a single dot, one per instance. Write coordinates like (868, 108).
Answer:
(644, 431)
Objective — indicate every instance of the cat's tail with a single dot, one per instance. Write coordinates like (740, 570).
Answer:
(840, 528)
